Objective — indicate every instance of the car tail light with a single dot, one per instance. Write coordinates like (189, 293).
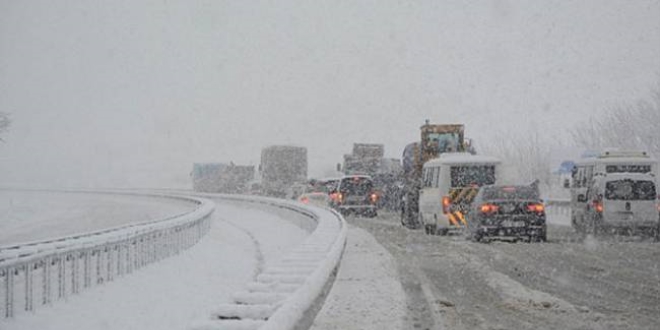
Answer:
(446, 203)
(304, 200)
(598, 206)
(537, 207)
(336, 197)
(374, 198)
(489, 208)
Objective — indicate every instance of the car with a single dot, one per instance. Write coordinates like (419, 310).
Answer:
(507, 211)
(316, 198)
(355, 194)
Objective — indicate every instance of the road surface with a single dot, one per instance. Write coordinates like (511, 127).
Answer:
(567, 283)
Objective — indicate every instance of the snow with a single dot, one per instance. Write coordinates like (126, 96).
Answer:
(464, 158)
(181, 290)
(58, 214)
(367, 293)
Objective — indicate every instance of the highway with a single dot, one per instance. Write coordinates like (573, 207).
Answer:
(566, 283)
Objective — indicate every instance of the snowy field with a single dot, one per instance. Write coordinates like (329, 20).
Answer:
(178, 291)
(28, 216)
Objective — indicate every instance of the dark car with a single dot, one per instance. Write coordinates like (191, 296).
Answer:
(355, 194)
(509, 212)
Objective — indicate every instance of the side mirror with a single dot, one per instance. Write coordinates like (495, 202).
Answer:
(582, 198)
(567, 183)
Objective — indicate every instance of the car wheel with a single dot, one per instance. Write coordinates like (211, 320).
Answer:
(433, 229)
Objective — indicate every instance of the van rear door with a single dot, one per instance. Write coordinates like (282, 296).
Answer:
(630, 201)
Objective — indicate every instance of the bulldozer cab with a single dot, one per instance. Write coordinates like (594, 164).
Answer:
(438, 139)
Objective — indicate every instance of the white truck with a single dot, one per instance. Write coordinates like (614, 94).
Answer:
(281, 167)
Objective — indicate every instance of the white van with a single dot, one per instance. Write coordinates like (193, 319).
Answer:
(590, 180)
(622, 201)
(449, 184)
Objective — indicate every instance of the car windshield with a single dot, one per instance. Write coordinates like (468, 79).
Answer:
(510, 193)
(628, 190)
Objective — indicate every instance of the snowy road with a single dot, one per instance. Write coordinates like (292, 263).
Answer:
(181, 290)
(452, 283)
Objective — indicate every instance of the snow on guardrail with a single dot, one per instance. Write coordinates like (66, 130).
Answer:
(556, 206)
(288, 294)
(38, 273)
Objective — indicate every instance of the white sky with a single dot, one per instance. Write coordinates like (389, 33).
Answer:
(131, 93)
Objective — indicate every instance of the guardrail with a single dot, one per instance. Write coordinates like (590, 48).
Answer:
(39, 273)
(288, 294)
(558, 206)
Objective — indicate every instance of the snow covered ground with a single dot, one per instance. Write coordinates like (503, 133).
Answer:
(367, 293)
(38, 215)
(178, 291)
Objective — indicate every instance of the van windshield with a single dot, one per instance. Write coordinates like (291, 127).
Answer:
(472, 175)
(630, 190)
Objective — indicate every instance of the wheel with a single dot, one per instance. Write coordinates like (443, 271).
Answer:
(593, 227)
(540, 237)
(434, 229)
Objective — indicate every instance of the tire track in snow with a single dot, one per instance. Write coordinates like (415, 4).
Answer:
(257, 247)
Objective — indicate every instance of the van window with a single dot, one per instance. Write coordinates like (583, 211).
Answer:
(436, 177)
(426, 175)
(628, 168)
(630, 190)
(469, 175)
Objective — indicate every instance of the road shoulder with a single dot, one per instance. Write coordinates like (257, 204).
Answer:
(367, 293)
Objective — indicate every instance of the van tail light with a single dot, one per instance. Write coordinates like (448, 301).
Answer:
(446, 203)
(374, 198)
(537, 208)
(598, 206)
(489, 208)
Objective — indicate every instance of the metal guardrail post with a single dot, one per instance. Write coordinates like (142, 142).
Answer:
(9, 292)
(28, 287)
(45, 281)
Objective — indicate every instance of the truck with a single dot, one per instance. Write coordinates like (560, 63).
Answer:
(221, 177)
(281, 167)
(366, 158)
(435, 139)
